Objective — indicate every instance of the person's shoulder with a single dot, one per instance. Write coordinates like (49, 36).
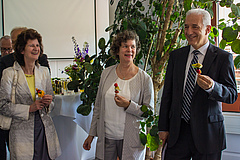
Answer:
(180, 50)
(42, 58)
(8, 71)
(42, 69)
(7, 57)
(219, 51)
(143, 73)
(109, 68)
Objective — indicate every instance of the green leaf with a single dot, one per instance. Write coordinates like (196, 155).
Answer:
(142, 126)
(222, 25)
(231, 15)
(149, 125)
(101, 43)
(235, 26)
(238, 28)
(111, 2)
(83, 96)
(237, 62)
(150, 112)
(110, 28)
(154, 131)
(215, 31)
(235, 10)
(223, 44)
(144, 115)
(138, 4)
(187, 5)
(229, 34)
(142, 8)
(125, 24)
(88, 67)
(222, 4)
(144, 108)
(152, 142)
(143, 138)
(220, 20)
(73, 84)
(150, 119)
(235, 46)
(84, 109)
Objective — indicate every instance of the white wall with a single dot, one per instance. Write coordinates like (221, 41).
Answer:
(57, 21)
(102, 22)
(1, 19)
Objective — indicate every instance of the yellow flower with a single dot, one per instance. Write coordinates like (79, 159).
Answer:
(40, 92)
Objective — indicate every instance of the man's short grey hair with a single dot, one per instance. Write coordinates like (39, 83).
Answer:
(4, 37)
(205, 15)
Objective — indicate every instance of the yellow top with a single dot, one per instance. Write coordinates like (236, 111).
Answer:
(31, 84)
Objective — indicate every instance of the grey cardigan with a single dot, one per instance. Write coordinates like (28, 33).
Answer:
(22, 126)
(141, 93)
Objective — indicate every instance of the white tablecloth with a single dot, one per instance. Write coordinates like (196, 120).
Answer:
(72, 128)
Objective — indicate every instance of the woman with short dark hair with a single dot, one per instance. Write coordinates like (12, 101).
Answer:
(123, 89)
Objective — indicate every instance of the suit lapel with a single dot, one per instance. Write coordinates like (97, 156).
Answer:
(181, 68)
(208, 60)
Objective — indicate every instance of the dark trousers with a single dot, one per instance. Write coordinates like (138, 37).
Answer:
(185, 149)
(4, 139)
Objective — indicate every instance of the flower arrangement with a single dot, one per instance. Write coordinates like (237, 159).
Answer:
(90, 69)
(40, 93)
(79, 58)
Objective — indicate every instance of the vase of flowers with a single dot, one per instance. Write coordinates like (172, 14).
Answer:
(73, 70)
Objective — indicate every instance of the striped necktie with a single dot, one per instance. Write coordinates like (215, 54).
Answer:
(189, 88)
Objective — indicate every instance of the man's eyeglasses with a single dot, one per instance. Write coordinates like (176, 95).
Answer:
(6, 49)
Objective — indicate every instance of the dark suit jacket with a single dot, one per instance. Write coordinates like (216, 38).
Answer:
(206, 120)
(8, 60)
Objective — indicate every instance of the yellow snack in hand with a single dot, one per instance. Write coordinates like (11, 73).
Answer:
(197, 65)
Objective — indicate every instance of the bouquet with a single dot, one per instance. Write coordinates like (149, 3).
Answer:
(72, 70)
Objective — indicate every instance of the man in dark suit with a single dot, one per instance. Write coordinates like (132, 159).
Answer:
(190, 118)
(5, 62)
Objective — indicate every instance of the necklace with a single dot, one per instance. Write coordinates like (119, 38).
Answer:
(124, 76)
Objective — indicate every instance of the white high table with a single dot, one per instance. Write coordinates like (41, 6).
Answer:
(72, 128)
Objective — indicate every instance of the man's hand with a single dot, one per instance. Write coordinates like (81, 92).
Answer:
(205, 82)
(163, 135)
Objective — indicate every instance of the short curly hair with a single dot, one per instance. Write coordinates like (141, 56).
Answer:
(23, 37)
(123, 37)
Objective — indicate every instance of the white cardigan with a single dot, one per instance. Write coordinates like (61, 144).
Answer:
(141, 94)
(22, 126)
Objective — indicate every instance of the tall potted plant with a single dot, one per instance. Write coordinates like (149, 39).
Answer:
(159, 24)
